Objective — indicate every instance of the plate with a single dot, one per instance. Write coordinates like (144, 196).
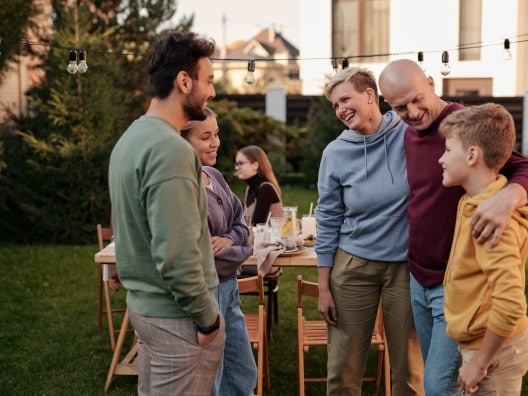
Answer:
(292, 252)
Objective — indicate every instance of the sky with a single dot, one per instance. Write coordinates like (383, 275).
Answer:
(244, 18)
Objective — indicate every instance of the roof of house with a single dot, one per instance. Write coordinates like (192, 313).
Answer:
(268, 43)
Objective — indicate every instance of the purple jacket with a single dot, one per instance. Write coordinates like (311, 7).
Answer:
(224, 215)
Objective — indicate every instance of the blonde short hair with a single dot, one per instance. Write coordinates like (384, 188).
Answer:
(360, 78)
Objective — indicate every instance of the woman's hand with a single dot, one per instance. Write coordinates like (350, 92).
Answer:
(327, 306)
(220, 243)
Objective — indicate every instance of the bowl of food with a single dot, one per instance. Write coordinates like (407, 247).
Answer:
(309, 241)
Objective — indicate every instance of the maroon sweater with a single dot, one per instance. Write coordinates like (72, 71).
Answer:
(432, 207)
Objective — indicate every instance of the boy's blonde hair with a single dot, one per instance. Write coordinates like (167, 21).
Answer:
(489, 126)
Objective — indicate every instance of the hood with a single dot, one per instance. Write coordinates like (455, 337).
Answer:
(390, 122)
(519, 214)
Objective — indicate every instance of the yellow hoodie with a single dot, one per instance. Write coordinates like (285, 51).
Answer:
(484, 288)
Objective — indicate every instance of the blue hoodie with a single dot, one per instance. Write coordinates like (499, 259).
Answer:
(363, 195)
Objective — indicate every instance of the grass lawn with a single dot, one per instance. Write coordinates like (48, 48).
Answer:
(49, 341)
(49, 337)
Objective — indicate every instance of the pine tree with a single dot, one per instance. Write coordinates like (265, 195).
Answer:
(55, 186)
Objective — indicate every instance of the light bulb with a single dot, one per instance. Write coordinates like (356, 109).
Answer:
(344, 64)
(83, 67)
(334, 65)
(507, 52)
(72, 66)
(445, 69)
(250, 77)
(421, 60)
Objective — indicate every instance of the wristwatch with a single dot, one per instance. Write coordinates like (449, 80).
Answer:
(210, 329)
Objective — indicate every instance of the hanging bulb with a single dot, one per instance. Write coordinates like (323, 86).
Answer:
(421, 60)
(334, 65)
(507, 53)
(250, 77)
(445, 69)
(72, 66)
(344, 64)
(83, 67)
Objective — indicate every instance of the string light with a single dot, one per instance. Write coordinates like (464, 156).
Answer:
(250, 77)
(334, 65)
(445, 69)
(72, 65)
(251, 64)
(421, 60)
(344, 64)
(82, 66)
(507, 52)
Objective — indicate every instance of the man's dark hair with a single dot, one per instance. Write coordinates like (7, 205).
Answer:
(172, 53)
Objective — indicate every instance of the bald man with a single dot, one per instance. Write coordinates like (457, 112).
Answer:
(432, 213)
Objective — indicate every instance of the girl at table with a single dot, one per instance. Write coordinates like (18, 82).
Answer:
(263, 194)
(237, 374)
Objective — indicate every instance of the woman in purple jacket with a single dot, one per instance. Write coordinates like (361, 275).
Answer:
(237, 374)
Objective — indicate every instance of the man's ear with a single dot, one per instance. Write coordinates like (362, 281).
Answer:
(431, 83)
(183, 82)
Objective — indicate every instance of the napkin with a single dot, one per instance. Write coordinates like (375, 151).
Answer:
(110, 271)
(266, 253)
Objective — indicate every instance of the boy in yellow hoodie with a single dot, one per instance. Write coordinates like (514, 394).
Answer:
(485, 304)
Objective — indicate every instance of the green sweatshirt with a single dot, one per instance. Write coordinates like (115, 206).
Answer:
(159, 212)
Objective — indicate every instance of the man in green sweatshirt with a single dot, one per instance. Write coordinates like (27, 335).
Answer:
(159, 210)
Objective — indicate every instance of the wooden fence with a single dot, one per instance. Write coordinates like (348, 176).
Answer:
(298, 107)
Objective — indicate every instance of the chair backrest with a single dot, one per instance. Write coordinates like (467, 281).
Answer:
(256, 327)
(104, 234)
(306, 288)
(253, 284)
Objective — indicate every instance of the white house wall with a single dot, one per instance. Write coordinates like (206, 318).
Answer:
(430, 26)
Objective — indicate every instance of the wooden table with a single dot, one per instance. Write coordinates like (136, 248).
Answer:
(128, 365)
(305, 258)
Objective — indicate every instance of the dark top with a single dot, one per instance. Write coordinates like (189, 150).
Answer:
(432, 207)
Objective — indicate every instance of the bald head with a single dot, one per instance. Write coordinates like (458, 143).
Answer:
(410, 93)
(400, 75)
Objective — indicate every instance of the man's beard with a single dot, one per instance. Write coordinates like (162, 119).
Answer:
(192, 108)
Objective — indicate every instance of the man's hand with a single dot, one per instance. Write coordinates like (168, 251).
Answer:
(205, 339)
(493, 214)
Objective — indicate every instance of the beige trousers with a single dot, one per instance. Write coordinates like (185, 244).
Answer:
(357, 286)
(505, 373)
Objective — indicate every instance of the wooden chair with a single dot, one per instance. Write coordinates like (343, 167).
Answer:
(314, 333)
(256, 326)
(129, 364)
(271, 292)
(104, 235)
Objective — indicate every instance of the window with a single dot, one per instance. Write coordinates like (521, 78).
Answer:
(360, 27)
(470, 29)
(456, 87)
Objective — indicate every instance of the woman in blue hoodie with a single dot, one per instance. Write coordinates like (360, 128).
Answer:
(361, 240)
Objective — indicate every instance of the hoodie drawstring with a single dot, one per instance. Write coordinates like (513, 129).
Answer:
(386, 157)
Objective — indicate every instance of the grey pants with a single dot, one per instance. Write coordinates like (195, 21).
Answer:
(170, 360)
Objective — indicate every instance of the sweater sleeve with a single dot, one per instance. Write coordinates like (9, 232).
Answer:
(516, 169)
(505, 274)
(329, 212)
